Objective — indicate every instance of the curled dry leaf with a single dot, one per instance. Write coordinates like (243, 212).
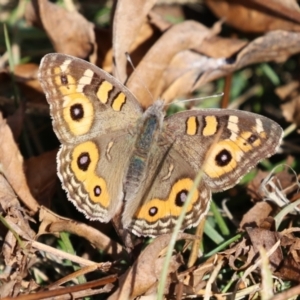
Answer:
(216, 47)
(186, 66)
(183, 36)
(11, 165)
(145, 272)
(129, 16)
(241, 255)
(258, 16)
(53, 223)
(143, 41)
(274, 46)
(182, 73)
(69, 31)
(15, 217)
(177, 70)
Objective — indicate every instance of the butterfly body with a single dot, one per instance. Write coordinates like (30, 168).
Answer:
(114, 154)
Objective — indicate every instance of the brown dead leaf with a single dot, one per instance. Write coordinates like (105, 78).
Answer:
(126, 28)
(182, 73)
(9, 288)
(255, 216)
(178, 71)
(265, 238)
(240, 256)
(68, 31)
(146, 35)
(290, 269)
(289, 239)
(11, 163)
(258, 16)
(157, 20)
(194, 278)
(216, 47)
(274, 46)
(7, 195)
(53, 223)
(183, 36)
(290, 96)
(145, 272)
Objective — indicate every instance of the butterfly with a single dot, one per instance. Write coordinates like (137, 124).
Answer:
(116, 155)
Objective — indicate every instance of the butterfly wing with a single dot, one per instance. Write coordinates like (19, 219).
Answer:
(223, 144)
(92, 114)
(85, 101)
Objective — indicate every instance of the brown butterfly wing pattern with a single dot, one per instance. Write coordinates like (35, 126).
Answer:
(113, 153)
(84, 100)
(221, 144)
(92, 114)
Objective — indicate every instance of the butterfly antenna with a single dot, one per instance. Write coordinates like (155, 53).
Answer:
(196, 99)
(141, 81)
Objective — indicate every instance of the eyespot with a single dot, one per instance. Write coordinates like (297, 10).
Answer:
(97, 190)
(64, 79)
(223, 158)
(77, 112)
(153, 211)
(181, 198)
(252, 138)
(83, 161)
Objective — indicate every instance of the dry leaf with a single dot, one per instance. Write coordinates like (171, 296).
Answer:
(183, 36)
(18, 257)
(241, 255)
(126, 28)
(11, 164)
(194, 279)
(290, 269)
(53, 223)
(258, 16)
(266, 239)
(290, 96)
(256, 215)
(69, 31)
(274, 46)
(146, 270)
